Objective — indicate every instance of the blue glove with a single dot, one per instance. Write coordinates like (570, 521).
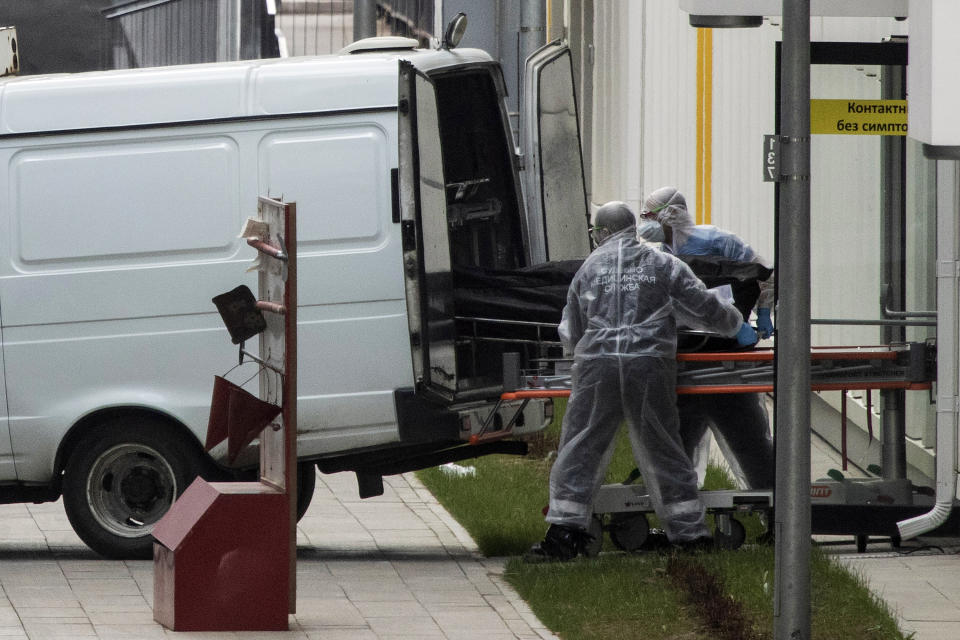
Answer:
(746, 336)
(764, 324)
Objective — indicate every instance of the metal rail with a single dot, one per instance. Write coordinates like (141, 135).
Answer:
(904, 366)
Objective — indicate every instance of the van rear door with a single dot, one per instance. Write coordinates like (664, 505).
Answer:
(556, 200)
(426, 242)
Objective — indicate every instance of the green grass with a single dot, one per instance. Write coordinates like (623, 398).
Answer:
(619, 595)
(842, 608)
(611, 597)
(500, 506)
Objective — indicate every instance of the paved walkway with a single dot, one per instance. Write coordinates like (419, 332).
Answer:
(920, 581)
(388, 568)
(393, 567)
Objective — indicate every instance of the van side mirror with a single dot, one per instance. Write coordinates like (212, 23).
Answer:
(455, 31)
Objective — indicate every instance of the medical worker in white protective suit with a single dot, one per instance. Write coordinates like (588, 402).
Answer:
(681, 236)
(739, 421)
(620, 323)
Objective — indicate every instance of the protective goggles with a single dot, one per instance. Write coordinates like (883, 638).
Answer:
(599, 234)
(651, 214)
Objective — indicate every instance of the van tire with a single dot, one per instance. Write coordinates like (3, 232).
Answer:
(121, 478)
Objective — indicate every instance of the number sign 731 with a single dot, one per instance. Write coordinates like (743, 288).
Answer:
(771, 158)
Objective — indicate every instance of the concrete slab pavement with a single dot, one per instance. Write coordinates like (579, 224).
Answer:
(920, 580)
(388, 568)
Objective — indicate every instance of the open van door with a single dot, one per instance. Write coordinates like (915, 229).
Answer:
(556, 200)
(426, 242)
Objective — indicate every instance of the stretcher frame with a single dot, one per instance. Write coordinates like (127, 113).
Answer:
(871, 505)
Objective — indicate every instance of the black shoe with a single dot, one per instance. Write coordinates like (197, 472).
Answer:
(559, 545)
(656, 541)
(702, 543)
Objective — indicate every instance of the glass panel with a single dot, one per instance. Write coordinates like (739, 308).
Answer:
(845, 215)
(851, 270)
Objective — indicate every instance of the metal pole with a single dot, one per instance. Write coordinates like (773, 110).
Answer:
(533, 27)
(791, 608)
(893, 211)
(364, 19)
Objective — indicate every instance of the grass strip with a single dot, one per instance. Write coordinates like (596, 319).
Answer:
(611, 597)
(720, 611)
(619, 595)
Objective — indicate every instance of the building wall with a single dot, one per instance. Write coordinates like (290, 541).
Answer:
(644, 124)
(57, 35)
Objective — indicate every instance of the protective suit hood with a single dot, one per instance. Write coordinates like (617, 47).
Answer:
(667, 206)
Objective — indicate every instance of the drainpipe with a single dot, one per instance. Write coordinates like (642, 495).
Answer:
(948, 339)
(364, 19)
(533, 28)
(893, 86)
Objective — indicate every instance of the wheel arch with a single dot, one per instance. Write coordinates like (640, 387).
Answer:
(94, 419)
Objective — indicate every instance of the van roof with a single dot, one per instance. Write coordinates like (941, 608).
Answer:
(213, 91)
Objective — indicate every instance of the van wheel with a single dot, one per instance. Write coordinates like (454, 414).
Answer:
(121, 479)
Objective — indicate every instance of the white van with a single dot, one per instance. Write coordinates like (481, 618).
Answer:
(122, 201)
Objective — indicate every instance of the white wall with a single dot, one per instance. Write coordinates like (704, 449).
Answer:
(744, 97)
(644, 136)
(644, 120)
(645, 99)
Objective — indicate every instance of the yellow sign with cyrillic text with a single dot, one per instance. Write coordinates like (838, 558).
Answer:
(859, 117)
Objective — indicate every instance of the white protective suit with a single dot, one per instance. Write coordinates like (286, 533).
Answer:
(620, 322)
(691, 239)
(739, 421)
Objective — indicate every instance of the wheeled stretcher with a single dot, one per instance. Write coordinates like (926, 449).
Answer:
(860, 507)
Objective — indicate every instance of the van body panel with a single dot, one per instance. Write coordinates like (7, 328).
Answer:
(146, 170)
(355, 159)
(65, 372)
(351, 358)
(211, 91)
(124, 193)
(67, 297)
(293, 88)
(106, 306)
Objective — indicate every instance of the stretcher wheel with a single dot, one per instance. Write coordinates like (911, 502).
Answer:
(628, 531)
(596, 530)
(729, 533)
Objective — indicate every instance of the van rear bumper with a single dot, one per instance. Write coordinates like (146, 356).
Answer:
(422, 420)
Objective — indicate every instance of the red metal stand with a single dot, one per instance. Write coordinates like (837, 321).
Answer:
(225, 553)
(220, 559)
